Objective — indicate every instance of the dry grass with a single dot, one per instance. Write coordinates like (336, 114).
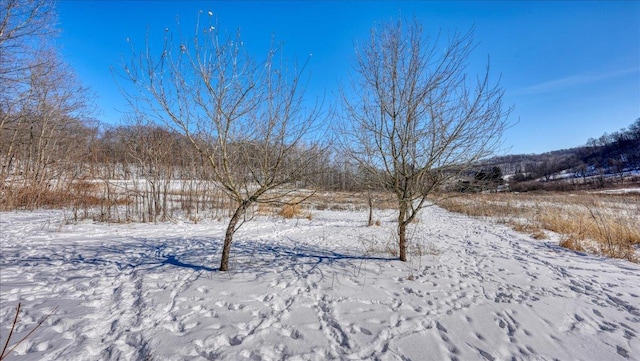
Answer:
(32, 196)
(604, 224)
(294, 211)
(349, 201)
(291, 211)
(265, 209)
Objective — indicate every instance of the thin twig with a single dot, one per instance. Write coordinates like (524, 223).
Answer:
(3, 355)
(13, 326)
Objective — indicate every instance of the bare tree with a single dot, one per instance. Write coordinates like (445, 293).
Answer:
(46, 137)
(43, 107)
(25, 26)
(247, 119)
(416, 120)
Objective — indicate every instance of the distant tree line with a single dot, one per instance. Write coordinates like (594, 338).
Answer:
(616, 152)
(611, 158)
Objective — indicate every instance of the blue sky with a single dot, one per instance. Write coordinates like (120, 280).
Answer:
(570, 69)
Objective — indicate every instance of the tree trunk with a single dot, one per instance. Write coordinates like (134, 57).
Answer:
(370, 210)
(231, 229)
(402, 232)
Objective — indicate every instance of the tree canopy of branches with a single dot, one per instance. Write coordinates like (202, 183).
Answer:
(246, 118)
(415, 118)
(25, 28)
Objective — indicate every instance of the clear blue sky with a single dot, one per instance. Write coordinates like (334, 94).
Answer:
(571, 69)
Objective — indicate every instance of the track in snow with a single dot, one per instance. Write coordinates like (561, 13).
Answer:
(311, 290)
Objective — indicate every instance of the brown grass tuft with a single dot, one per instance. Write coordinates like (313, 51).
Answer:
(290, 211)
(294, 211)
(570, 242)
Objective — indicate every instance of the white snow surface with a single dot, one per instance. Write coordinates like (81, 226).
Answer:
(310, 290)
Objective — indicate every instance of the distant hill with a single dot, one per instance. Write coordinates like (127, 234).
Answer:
(600, 161)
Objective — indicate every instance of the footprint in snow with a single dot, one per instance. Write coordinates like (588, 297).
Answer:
(485, 354)
(622, 352)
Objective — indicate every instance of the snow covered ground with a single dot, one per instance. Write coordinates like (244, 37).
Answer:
(310, 290)
(620, 191)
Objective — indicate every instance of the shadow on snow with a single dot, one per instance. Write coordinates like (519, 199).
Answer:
(185, 253)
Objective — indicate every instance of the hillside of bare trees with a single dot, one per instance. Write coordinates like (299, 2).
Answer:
(609, 160)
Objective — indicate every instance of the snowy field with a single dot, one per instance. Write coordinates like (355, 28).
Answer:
(310, 290)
